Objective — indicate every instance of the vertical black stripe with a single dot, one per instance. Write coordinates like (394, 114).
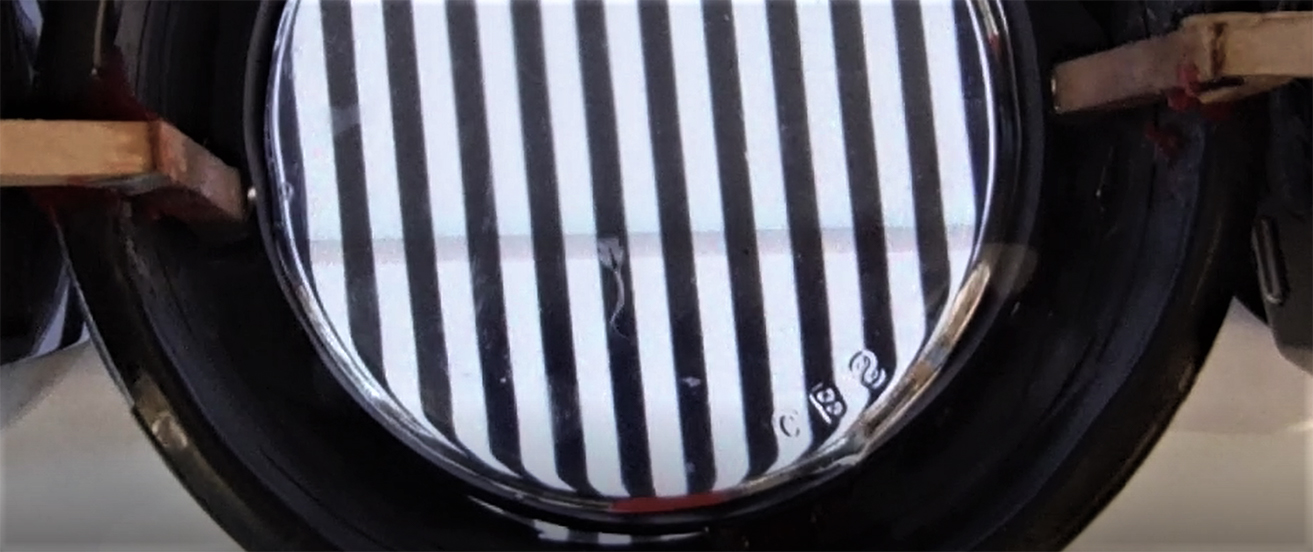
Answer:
(352, 190)
(613, 243)
(677, 246)
(548, 247)
(416, 217)
(977, 104)
(931, 241)
(863, 180)
(740, 235)
(800, 197)
(481, 229)
(293, 166)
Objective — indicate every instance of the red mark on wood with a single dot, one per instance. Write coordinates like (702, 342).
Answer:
(1186, 95)
(1187, 76)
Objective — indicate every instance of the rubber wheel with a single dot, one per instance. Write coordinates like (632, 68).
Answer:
(1136, 241)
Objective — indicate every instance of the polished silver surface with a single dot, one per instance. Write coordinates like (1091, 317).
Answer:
(638, 257)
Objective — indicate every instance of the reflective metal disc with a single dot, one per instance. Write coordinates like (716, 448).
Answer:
(633, 257)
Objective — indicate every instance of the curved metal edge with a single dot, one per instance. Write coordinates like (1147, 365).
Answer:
(997, 271)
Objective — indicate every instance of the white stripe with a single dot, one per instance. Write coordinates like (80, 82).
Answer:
(401, 363)
(884, 80)
(574, 181)
(310, 85)
(701, 173)
(399, 358)
(956, 176)
(614, 539)
(779, 295)
(442, 145)
(551, 531)
(510, 193)
(834, 204)
(649, 294)
(379, 157)
(375, 118)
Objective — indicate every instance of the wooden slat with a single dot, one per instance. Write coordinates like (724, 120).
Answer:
(1212, 58)
(56, 153)
(153, 160)
(1276, 44)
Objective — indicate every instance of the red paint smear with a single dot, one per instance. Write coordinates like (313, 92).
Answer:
(1186, 95)
(1187, 76)
(648, 505)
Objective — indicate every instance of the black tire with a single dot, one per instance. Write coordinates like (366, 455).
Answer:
(1288, 163)
(39, 314)
(1056, 406)
(1285, 208)
(1288, 183)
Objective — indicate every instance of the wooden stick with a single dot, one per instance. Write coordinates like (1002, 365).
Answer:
(1211, 58)
(149, 159)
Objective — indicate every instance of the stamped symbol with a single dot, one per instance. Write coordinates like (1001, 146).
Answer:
(828, 403)
(787, 424)
(866, 368)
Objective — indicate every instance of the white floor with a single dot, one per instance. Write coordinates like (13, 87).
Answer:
(1234, 471)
